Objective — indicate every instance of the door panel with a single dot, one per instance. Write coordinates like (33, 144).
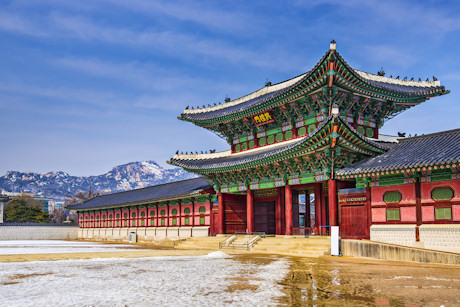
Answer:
(353, 222)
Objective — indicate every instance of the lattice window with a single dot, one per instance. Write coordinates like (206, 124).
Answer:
(279, 137)
(202, 210)
(443, 214)
(302, 131)
(369, 132)
(393, 215)
(444, 193)
(392, 197)
(271, 139)
(288, 135)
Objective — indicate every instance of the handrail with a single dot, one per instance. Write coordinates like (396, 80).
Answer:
(228, 241)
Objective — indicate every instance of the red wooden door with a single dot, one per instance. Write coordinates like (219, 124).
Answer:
(264, 217)
(353, 222)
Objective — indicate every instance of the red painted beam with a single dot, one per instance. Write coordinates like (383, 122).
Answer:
(250, 210)
(288, 209)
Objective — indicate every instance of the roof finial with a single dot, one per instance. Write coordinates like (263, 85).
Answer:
(332, 46)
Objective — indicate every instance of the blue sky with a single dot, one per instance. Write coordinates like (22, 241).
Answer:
(87, 85)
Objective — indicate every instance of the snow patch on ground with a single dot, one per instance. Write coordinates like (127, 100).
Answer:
(159, 281)
(218, 254)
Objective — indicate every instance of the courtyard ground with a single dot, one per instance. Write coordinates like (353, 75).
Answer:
(96, 274)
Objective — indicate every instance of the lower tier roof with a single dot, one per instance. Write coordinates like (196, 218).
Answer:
(154, 193)
(227, 159)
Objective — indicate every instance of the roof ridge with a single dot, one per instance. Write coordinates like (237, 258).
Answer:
(429, 135)
(149, 187)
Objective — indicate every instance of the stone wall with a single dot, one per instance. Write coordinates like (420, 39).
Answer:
(394, 234)
(38, 233)
(144, 234)
(441, 237)
(367, 249)
(445, 237)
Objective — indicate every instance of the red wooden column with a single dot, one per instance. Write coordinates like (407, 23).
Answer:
(288, 208)
(332, 202)
(318, 201)
(307, 219)
(220, 214)
(279, 213)
(250, 210)
(211, 217)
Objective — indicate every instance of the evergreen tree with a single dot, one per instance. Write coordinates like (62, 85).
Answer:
(25, 209)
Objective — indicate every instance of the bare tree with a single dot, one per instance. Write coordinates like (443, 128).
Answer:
(80, 197)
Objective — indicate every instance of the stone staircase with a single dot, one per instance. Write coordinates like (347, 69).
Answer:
(211, 243)
(294, 246)
(281, 245)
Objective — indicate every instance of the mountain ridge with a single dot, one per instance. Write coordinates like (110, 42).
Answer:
(58, 184)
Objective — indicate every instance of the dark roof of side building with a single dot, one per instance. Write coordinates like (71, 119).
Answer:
(4, 198)
(421, 151)
(154, 193)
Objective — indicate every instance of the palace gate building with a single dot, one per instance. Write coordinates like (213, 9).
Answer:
(315, 134)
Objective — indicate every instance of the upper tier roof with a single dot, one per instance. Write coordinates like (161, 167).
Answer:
(154, 193)
(370, 84)
(421, 151)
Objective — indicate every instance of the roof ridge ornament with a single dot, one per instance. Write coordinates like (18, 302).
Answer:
(333, 45)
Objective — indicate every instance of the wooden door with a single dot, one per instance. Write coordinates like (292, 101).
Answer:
(264, 217)
(353, 222)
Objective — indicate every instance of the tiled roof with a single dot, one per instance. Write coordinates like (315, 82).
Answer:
(421, 151)
(253, 155)
(404, 87)
(150, 194)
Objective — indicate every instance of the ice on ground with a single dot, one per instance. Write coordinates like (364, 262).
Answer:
(16, 247)
(159, 281)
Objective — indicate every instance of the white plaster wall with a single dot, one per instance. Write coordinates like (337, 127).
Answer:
(38, 233)
(201, 231)
(394, 234)
(144, 234)
(185, 232)
(441, 237)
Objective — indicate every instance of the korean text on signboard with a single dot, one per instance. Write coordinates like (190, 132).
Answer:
(263, 118)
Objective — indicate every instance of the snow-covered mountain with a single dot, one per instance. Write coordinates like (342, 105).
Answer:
(121, 178)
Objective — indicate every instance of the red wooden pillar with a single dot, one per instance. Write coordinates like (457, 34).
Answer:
(279, 213)
(288, 208)
(211, 218)
(368, 209)
(179, 211)
(332, 202)
(192, 201)
(250, 210)
(318, 201)
(307, 219)
(418, 208)
(220, 214)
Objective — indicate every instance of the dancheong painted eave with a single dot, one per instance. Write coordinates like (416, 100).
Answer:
(226, 161)
(437, 150)
(406, 92)
(156, 193)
